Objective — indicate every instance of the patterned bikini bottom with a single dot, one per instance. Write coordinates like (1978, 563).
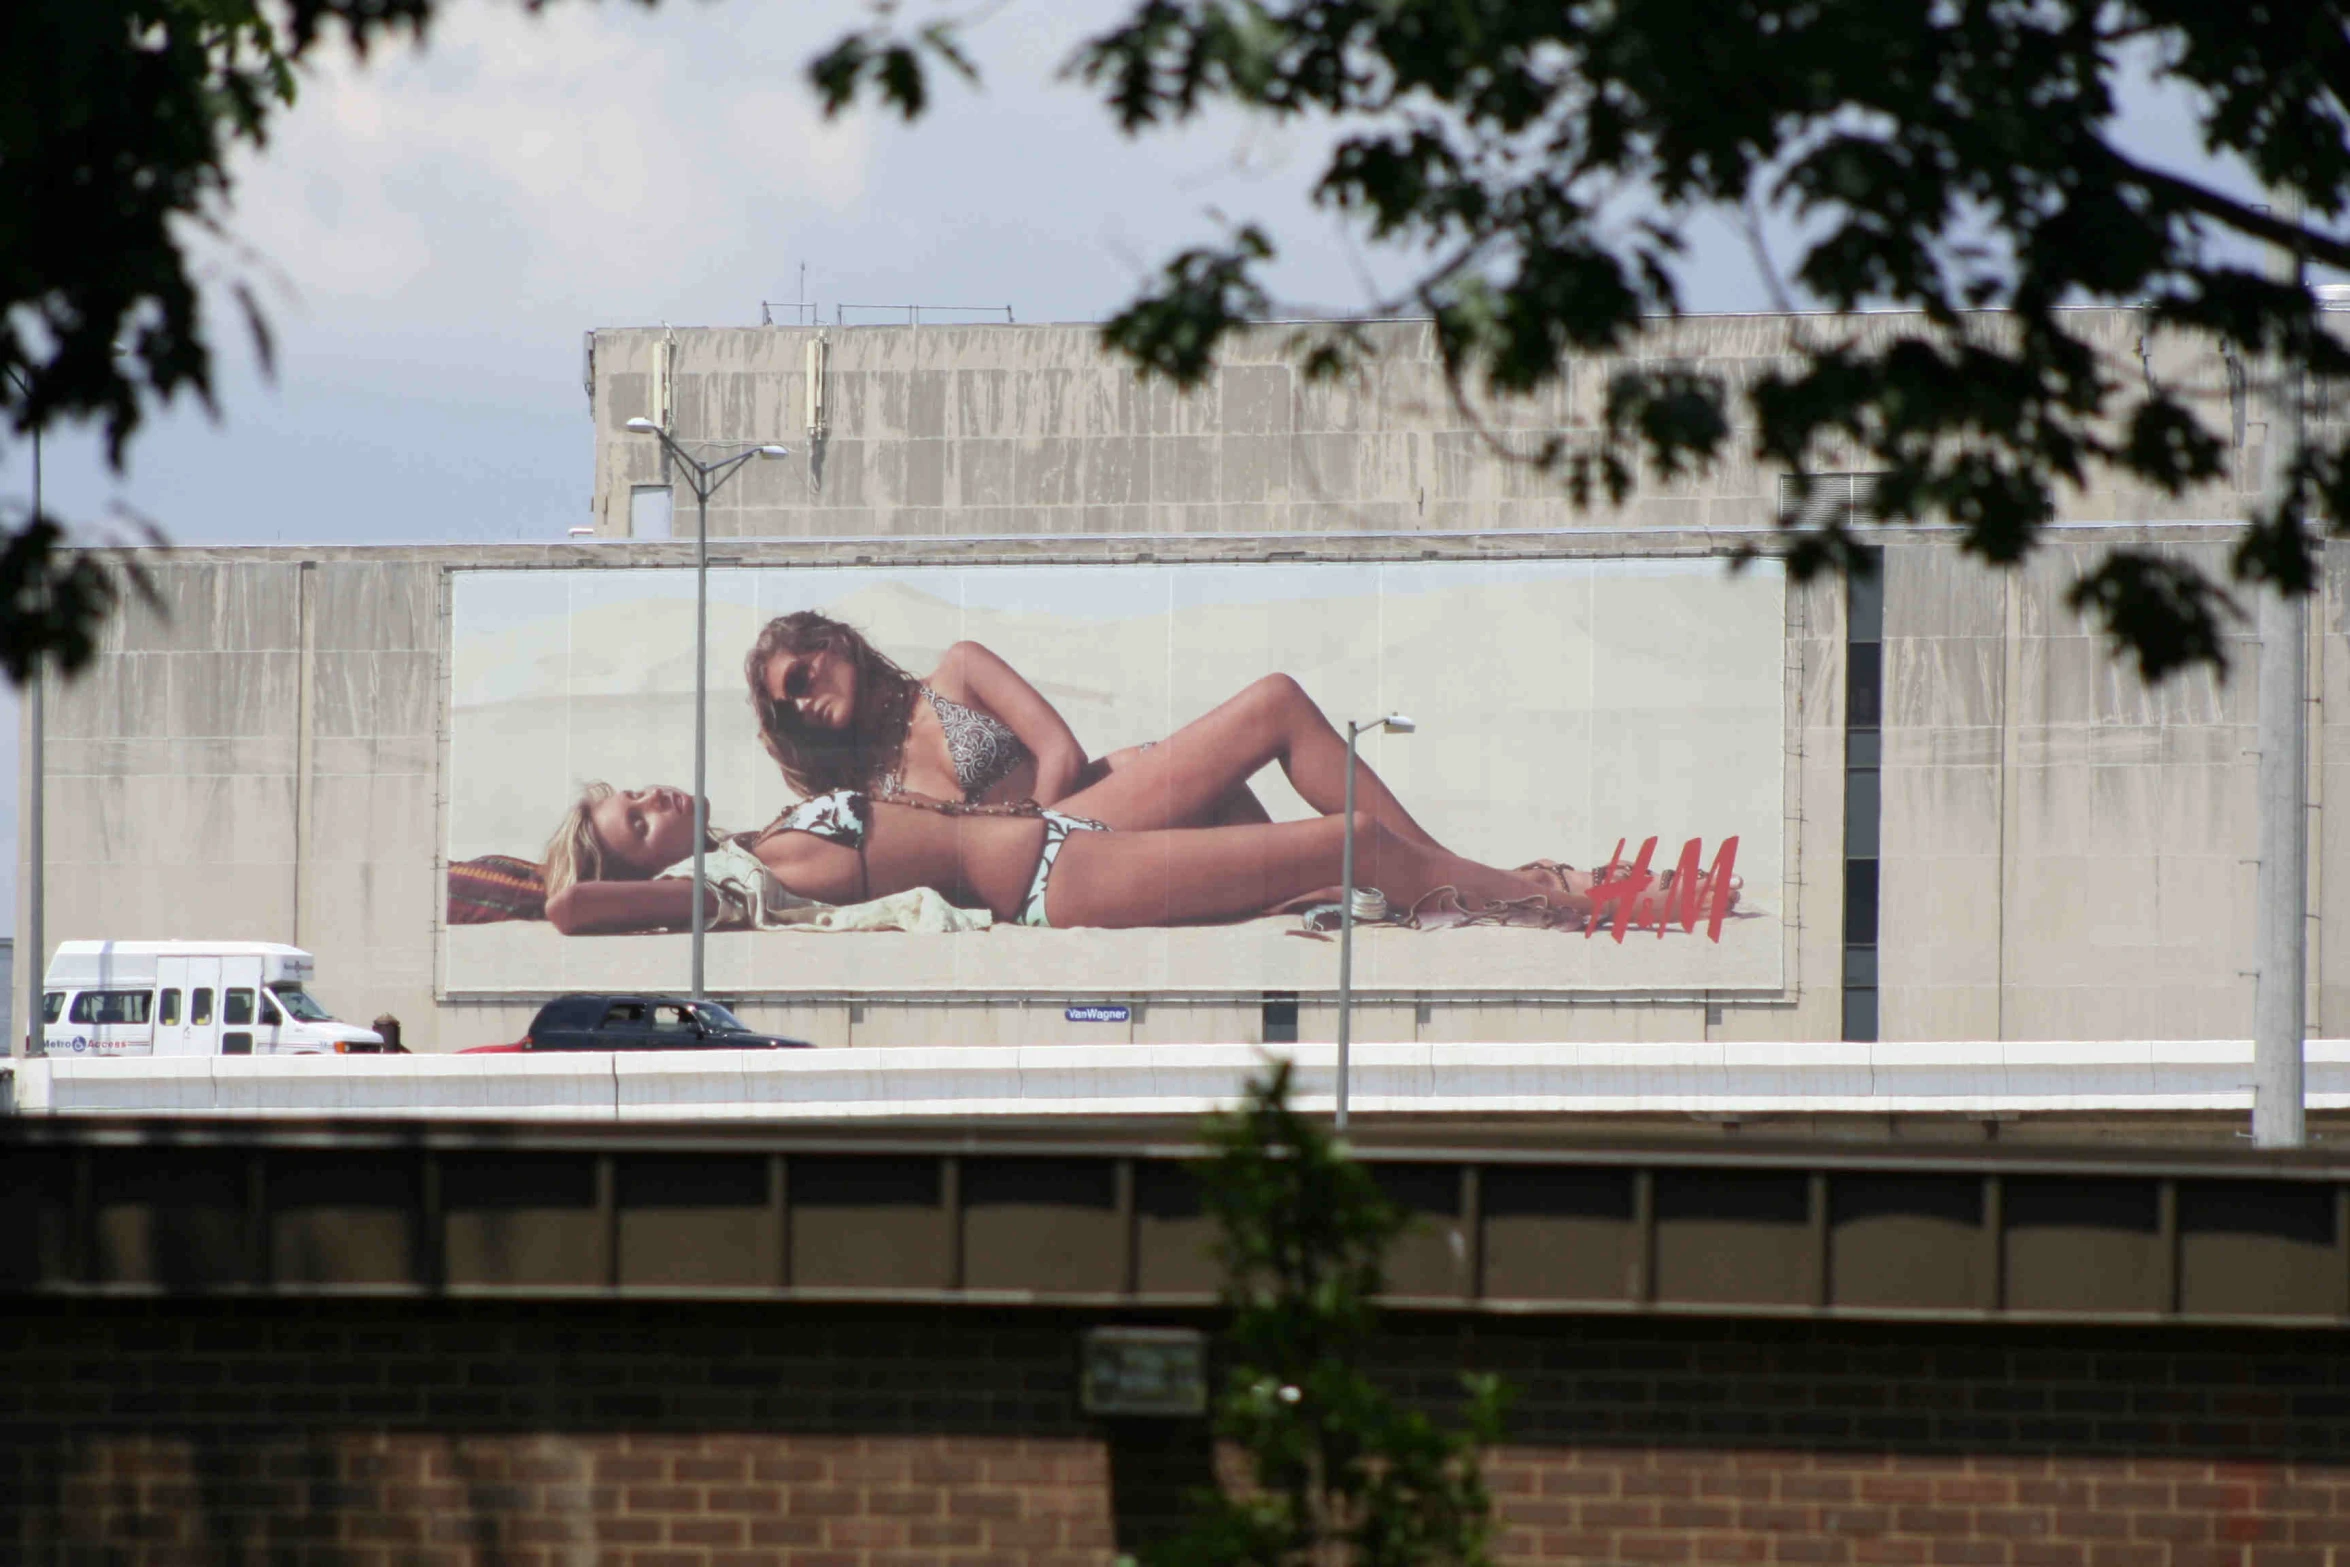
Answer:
(1057, 828)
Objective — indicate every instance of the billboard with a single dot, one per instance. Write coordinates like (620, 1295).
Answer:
(1591, 797)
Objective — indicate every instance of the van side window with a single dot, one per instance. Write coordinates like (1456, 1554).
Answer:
(111, 1006)
(269, 1012)
(167, 1011)
(52, 1006)
(236, 1006)
(200, 1006)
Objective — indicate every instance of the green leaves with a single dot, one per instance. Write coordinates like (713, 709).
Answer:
(1962, 162)
(1174, 328)
(54, 600)
(1338, 1471)
(117, 122)
(892, 67)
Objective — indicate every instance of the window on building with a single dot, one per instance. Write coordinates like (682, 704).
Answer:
(1280, 1017)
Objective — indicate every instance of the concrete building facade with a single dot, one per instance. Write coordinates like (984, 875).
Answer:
(2058, 851)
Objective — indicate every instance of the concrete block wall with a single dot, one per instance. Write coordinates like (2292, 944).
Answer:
(2068, 853)
(1036, 430)
(258, 761)
(694, 1435)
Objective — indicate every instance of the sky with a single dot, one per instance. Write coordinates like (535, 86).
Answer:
(433, 231)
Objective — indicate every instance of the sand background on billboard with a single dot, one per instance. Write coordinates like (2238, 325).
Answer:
(1562, 705)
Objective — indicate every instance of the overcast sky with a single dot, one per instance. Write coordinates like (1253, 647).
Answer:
(433, 232)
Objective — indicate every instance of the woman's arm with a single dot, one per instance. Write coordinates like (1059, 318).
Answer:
(999, 688)
(606, 908)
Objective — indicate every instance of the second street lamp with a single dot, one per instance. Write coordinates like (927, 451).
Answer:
(705, 479)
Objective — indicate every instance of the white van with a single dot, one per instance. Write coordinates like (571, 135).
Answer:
(187, 998)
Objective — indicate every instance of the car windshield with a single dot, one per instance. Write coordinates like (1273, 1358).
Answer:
(717, 1018)
(298, 1004)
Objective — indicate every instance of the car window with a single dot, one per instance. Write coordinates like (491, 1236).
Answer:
(673, 1017)
(200, 1006)
(236, 1006)
(167, 1012)
(111, 1006)
(722, 1021)
(628, 1015)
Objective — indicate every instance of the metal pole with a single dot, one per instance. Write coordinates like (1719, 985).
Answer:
(1346, 925)
(2279, 997)
(701, 706)
(31, 951)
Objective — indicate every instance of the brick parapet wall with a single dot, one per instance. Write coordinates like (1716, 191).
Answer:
(565, 1434)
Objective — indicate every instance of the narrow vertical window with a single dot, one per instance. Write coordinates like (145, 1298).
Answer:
(1864, 719)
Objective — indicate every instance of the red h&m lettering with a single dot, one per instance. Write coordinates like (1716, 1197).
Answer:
(1618, 899)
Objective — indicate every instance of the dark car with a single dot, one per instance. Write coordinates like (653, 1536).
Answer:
(605, 1022)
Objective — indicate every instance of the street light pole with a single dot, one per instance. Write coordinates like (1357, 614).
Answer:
(705, 477)
(1397, 723)
(2281, 893)
(29, 948)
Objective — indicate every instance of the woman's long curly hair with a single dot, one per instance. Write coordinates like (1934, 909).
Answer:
(818, 761)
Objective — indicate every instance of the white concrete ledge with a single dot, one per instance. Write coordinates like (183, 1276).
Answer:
(1959, 1079)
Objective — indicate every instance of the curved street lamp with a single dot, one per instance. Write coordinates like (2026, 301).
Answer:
(31, 965)
(1394, 723)
(705, 478)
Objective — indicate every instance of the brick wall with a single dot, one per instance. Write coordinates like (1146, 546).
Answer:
(397, 1434)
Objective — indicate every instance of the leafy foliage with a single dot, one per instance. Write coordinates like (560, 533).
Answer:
(117, 120)
(1338, 1472)
(1546, 160)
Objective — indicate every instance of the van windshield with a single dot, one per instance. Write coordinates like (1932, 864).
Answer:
(298, 1004)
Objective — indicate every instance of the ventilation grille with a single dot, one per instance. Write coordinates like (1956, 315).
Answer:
(1846, 498)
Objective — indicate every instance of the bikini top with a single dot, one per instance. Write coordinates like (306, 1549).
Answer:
(982, 747)
(845, 817)
(840, 817)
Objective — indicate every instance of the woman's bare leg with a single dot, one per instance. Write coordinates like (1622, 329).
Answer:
(1240, 808)
(1189, 778)
(1116, 880)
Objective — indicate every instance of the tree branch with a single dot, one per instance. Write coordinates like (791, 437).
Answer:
(2248, 220)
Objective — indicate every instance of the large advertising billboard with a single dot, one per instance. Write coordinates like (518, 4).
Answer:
(1590, 796)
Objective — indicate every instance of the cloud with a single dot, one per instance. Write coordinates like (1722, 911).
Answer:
(523, 173)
